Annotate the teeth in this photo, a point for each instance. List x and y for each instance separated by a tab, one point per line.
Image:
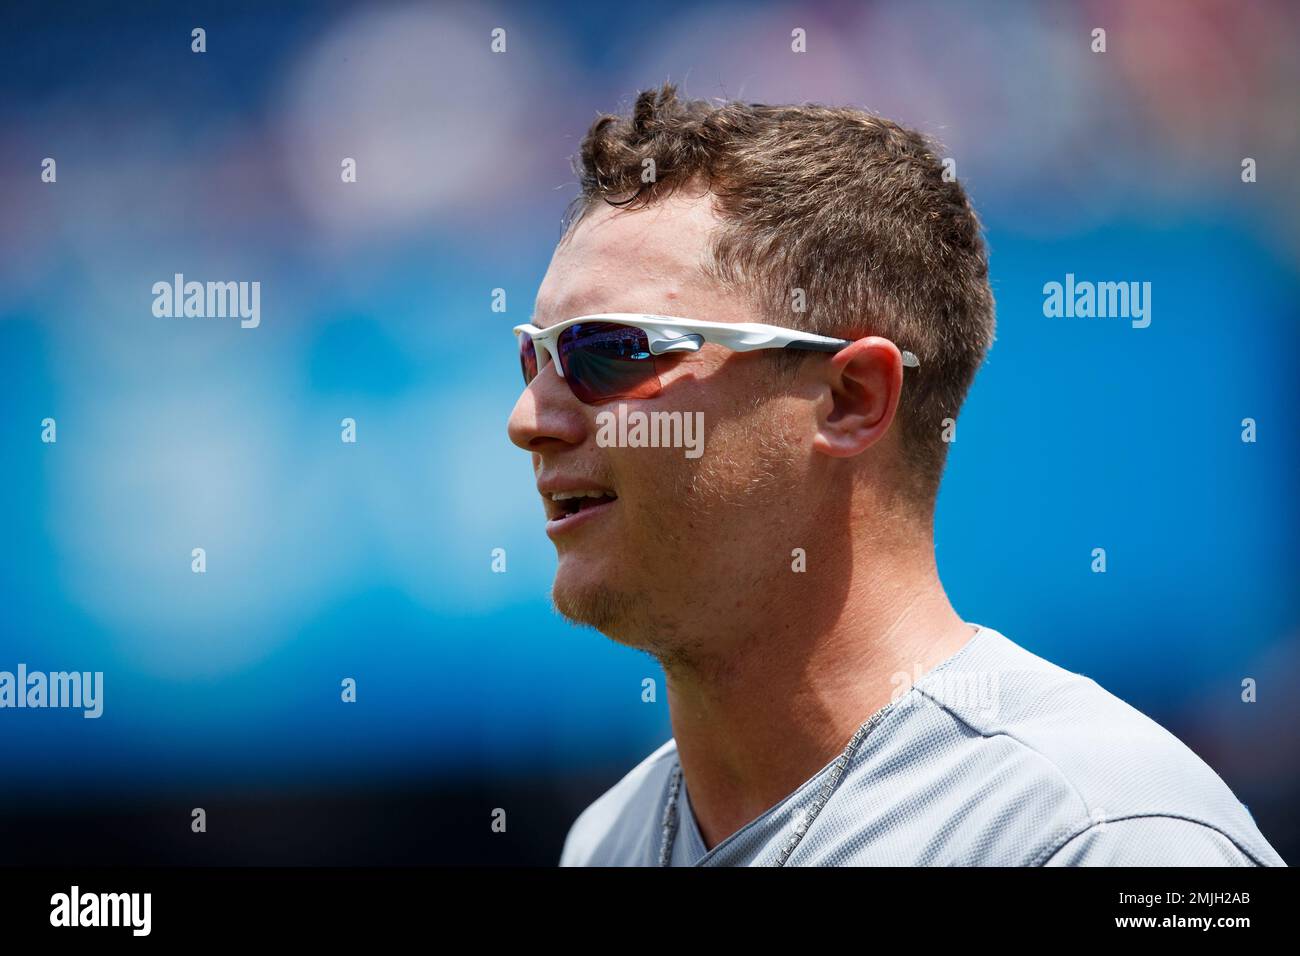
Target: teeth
565	495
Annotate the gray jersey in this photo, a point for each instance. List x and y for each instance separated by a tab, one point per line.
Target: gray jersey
996	757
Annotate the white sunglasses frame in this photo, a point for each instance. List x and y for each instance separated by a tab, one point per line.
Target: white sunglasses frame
668	334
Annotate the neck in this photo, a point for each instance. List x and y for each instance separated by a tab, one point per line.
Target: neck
795	681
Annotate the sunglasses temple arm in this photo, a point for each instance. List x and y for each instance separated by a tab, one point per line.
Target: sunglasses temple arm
808	345
909	360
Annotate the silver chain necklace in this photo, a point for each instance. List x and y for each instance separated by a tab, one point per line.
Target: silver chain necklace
670	817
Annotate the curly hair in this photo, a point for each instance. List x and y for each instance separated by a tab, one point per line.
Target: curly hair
853	209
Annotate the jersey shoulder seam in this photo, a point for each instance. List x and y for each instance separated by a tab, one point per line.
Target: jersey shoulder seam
1049	853
1022	744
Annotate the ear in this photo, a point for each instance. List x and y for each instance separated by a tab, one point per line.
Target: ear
865	380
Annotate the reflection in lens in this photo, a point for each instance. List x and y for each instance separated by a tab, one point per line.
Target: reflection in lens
604	360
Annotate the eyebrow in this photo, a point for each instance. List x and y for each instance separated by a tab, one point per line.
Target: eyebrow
568	312
590	299
599	300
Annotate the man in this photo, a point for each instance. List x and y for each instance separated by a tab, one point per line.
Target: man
808	284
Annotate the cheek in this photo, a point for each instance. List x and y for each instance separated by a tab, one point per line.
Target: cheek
659	524
653	482
745	474
749	455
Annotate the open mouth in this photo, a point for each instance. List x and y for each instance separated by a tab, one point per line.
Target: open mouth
562	507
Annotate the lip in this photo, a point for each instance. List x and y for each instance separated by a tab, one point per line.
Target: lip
559	526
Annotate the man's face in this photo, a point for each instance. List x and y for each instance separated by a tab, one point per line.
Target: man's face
687	539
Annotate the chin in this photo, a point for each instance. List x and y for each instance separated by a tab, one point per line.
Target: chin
590	602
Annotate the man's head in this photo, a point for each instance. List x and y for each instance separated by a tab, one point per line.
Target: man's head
826	220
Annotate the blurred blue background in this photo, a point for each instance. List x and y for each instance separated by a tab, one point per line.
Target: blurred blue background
372	561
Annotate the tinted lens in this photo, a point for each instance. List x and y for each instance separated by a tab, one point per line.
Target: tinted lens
527	357
604	360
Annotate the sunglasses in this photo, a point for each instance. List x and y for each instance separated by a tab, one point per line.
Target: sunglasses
617	354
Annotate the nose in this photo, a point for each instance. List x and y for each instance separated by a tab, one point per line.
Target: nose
547	414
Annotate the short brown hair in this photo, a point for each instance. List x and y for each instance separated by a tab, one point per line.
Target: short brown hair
851	208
